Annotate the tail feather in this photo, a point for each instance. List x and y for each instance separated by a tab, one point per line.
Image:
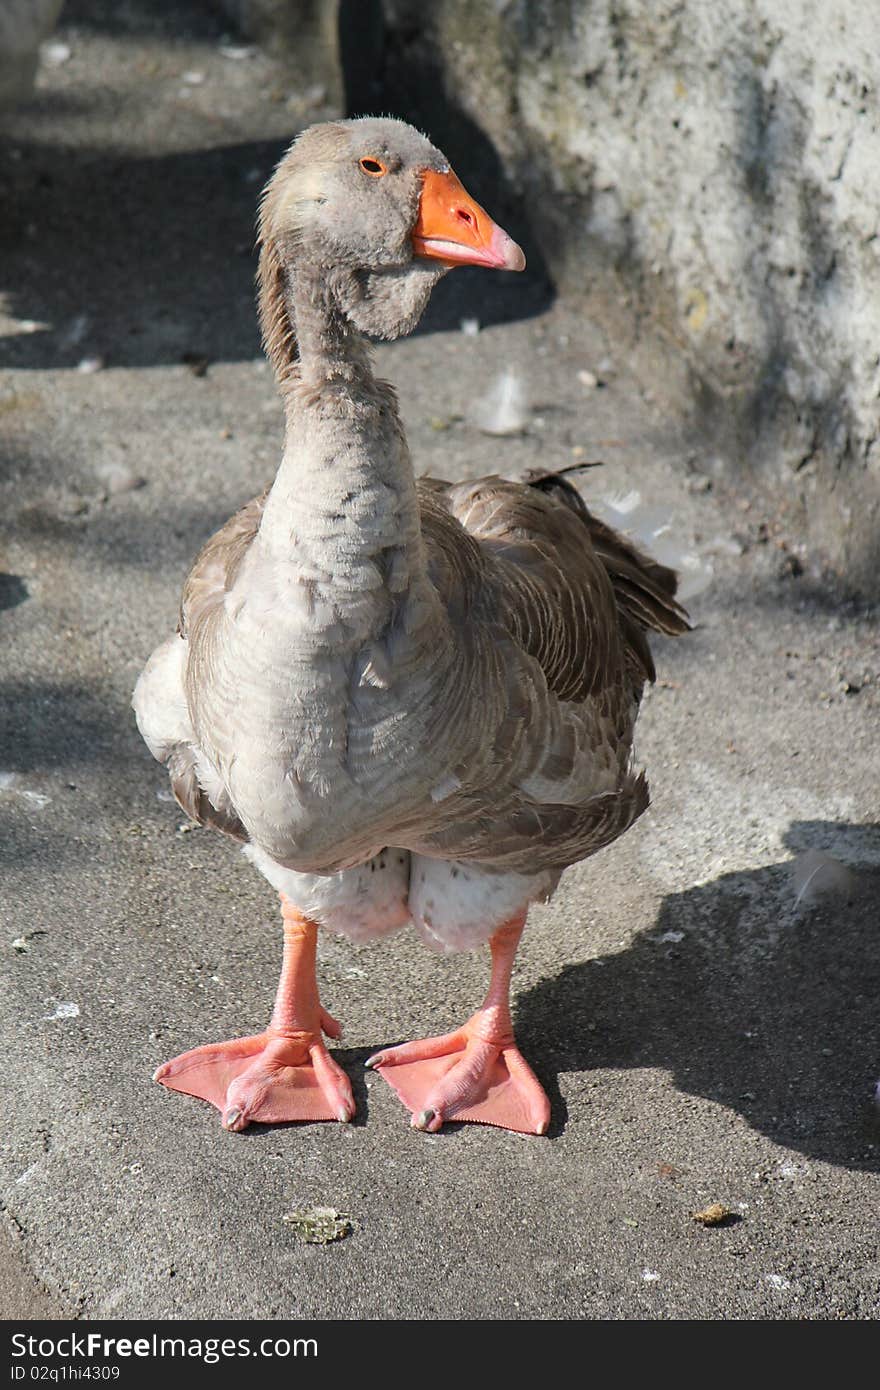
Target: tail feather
645	590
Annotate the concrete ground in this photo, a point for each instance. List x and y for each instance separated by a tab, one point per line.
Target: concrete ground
704	1037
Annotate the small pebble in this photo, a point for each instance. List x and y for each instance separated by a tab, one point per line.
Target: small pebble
66	1009
196	362
315	95
88	365
790	567
117	478
714	1215
319	1225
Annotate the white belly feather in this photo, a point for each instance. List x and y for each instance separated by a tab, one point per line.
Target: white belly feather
454	906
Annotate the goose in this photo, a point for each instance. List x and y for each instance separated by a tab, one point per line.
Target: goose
410	702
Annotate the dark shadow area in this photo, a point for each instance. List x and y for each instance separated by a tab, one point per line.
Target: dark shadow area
139	261
204	20
820	596
13	591
150	261
28	846
116	538
46	725
765	1008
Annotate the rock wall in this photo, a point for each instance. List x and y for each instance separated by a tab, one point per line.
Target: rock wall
724	160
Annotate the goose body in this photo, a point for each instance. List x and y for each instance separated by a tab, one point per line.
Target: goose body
409	702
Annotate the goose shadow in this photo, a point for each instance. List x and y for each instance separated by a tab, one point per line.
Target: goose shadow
746	999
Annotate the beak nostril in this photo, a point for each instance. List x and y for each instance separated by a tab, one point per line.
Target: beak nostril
464	216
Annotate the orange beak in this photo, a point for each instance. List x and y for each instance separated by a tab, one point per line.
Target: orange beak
454	229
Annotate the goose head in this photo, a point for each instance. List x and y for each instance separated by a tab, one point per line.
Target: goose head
373	210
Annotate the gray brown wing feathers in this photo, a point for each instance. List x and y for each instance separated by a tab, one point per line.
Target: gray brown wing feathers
643	588
217	564
209	580
579	599
194	800
568	587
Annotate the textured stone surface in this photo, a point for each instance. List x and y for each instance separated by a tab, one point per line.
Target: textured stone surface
724	161
304	34
23	26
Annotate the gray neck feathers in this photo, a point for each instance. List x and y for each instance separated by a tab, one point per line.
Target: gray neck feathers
306	334
343	510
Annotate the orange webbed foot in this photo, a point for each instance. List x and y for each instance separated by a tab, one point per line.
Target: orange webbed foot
284	1073
476	1073
464	1076
268	1078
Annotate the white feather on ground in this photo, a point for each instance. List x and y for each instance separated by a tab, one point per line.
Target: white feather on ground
817	875
652	528
504	410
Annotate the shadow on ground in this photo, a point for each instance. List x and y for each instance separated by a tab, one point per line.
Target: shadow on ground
50	724
13	591
746	1001
146	261
156	266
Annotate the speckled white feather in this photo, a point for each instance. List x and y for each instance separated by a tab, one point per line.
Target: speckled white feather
458	906
362	904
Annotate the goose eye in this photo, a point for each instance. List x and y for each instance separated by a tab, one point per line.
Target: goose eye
374	167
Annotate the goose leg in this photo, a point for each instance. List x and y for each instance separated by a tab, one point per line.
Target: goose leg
476	1073
285	1073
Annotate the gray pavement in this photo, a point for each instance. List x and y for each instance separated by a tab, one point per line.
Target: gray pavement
703	1037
